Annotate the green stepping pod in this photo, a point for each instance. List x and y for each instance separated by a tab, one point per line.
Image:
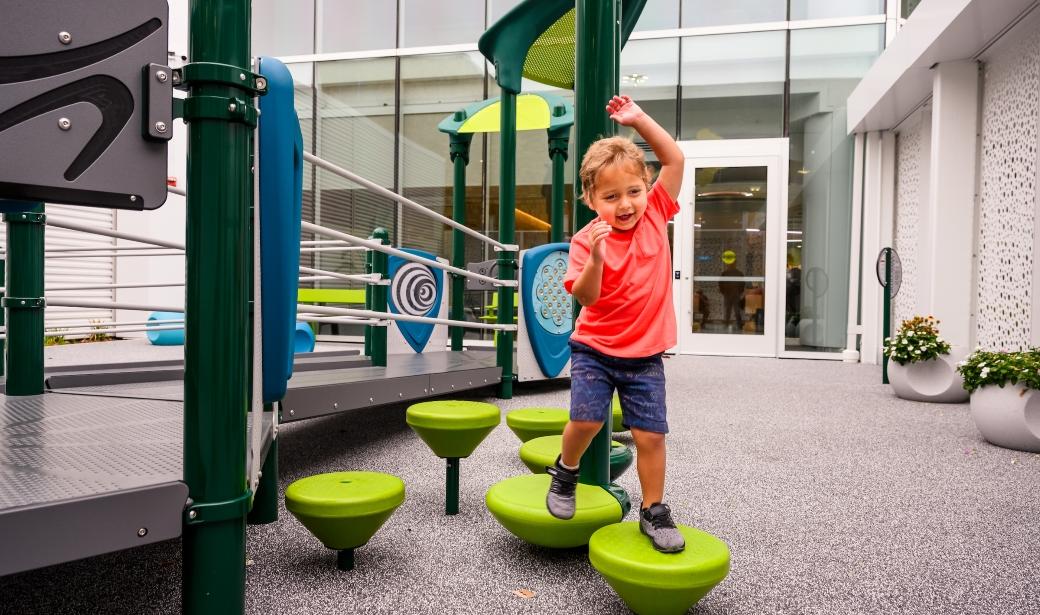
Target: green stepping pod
344	509
653	583
453	429
530	423
541	452
518	503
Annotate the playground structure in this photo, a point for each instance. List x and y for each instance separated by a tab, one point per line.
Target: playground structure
238	360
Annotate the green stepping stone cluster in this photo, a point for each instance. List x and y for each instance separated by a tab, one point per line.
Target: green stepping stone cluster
653	583
453	430
541	452
344	509
531	423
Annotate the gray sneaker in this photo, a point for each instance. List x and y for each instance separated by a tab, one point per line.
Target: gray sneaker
560	499
656	522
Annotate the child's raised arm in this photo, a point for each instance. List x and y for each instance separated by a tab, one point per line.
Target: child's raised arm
627	113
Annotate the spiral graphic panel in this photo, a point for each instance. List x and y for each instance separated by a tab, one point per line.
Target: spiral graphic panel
415	290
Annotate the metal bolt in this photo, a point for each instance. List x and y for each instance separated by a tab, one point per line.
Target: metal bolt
259	474
176	77
142	532
160	127
292	413
401	395
261	83
64	37
64	123
335	405
241	76
192	514
232	107
161	76
133	199
371	400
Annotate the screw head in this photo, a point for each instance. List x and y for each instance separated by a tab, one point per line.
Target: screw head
161	76
64	123
133	198
241	76
232	107
335	405
292	412
192	514
160	127
64	37
261	83
142	532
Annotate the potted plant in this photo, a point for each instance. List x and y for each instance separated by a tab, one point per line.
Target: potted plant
922	366
1004	403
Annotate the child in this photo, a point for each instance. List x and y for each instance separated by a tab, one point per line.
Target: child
621	272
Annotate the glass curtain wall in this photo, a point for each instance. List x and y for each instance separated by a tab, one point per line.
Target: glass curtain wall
377	116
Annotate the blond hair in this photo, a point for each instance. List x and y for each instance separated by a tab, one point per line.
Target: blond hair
610	152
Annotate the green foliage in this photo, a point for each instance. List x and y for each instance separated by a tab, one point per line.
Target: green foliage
999	368
917	340
55	340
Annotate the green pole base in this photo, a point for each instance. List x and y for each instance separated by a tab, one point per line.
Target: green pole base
265	502
345	559
621	496
451	492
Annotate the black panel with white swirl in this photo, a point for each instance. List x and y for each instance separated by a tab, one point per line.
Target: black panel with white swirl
414	289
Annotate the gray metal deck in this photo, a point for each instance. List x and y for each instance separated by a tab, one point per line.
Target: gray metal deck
81	476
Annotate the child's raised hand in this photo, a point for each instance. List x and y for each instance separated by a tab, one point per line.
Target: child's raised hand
623	111
597	240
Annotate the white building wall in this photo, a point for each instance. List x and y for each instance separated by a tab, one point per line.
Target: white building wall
1008	195
911	151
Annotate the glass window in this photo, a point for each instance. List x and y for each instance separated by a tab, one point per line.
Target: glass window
701	13
826	65
425	23
650	75
356	25
733	86
659	15
355	114
303	90
825	9
283	28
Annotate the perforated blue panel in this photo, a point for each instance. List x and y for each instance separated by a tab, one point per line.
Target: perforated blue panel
548	310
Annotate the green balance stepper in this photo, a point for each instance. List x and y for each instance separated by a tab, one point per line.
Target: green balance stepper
530	423
453	429
518	503
344	509
541	452
653	583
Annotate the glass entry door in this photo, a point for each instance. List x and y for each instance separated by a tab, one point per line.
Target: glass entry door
726	241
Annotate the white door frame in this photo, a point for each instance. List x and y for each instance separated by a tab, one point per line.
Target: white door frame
770	153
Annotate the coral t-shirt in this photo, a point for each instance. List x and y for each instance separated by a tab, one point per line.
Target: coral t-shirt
633	316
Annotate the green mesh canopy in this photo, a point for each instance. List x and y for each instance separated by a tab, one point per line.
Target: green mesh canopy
550	60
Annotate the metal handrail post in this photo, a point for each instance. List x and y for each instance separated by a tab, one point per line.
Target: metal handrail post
24	301
459	148
380	265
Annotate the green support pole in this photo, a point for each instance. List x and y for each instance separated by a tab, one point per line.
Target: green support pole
460	143
369	302
218	330
598	49
265	501
24	302
3	276
451	487
558	141
886	325
507	235
381	265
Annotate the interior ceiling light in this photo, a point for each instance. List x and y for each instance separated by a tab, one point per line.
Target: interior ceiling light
634	78
802	171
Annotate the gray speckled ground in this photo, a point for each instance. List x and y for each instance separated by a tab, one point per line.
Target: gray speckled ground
834	497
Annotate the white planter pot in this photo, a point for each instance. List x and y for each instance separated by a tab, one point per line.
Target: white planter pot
935	380
1008	416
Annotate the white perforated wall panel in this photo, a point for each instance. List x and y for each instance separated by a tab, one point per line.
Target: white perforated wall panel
1008	192
909	149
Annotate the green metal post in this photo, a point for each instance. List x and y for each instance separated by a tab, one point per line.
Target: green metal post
3	276
558	141
265	501
24	301
886	325
369	302
218	330
507	235
451	487
598	49
381	265
460	143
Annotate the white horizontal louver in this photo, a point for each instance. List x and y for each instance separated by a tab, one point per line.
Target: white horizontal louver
79	270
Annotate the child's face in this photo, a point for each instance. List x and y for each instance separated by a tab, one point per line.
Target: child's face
619	196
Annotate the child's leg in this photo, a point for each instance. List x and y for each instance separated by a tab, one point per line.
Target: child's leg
650	464
576	438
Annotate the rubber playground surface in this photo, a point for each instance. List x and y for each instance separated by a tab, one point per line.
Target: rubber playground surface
833	496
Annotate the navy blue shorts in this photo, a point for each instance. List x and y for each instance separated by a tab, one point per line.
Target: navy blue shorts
639	383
